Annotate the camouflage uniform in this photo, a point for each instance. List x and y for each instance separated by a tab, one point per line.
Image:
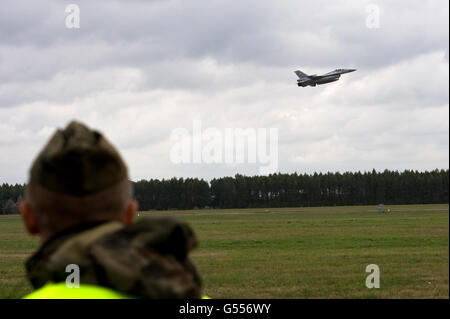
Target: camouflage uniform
146	259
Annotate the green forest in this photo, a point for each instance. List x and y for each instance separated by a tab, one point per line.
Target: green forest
278	190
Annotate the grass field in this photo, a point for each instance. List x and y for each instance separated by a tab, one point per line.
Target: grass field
293	252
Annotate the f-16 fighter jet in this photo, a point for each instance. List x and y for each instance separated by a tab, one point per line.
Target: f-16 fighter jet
313	80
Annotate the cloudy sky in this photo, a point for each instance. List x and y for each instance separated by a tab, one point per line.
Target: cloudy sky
138	70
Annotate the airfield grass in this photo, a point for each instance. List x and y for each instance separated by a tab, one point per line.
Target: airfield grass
293	252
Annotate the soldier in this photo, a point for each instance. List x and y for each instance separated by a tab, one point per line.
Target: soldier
79	202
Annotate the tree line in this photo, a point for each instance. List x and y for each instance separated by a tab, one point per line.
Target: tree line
279	190
331	189
294	190
10	196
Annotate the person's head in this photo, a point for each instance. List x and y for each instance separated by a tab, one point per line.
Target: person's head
78	177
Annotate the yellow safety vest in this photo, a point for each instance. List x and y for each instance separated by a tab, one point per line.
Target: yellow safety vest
61	291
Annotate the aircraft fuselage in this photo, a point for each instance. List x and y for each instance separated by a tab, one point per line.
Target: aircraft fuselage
323	80
313	80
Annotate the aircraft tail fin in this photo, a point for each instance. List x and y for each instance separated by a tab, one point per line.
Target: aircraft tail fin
301	75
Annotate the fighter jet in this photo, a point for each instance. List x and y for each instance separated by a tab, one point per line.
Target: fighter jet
313	80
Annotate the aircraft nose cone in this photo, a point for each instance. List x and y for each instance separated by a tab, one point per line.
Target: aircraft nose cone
351	70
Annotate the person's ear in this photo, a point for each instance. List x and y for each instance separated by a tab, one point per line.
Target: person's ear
130	212
29	217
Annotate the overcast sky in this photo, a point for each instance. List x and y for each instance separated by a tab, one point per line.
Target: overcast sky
137	70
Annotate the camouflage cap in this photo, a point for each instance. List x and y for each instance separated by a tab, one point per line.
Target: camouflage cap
78	161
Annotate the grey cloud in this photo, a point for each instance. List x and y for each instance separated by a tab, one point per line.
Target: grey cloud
138	69
281	34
